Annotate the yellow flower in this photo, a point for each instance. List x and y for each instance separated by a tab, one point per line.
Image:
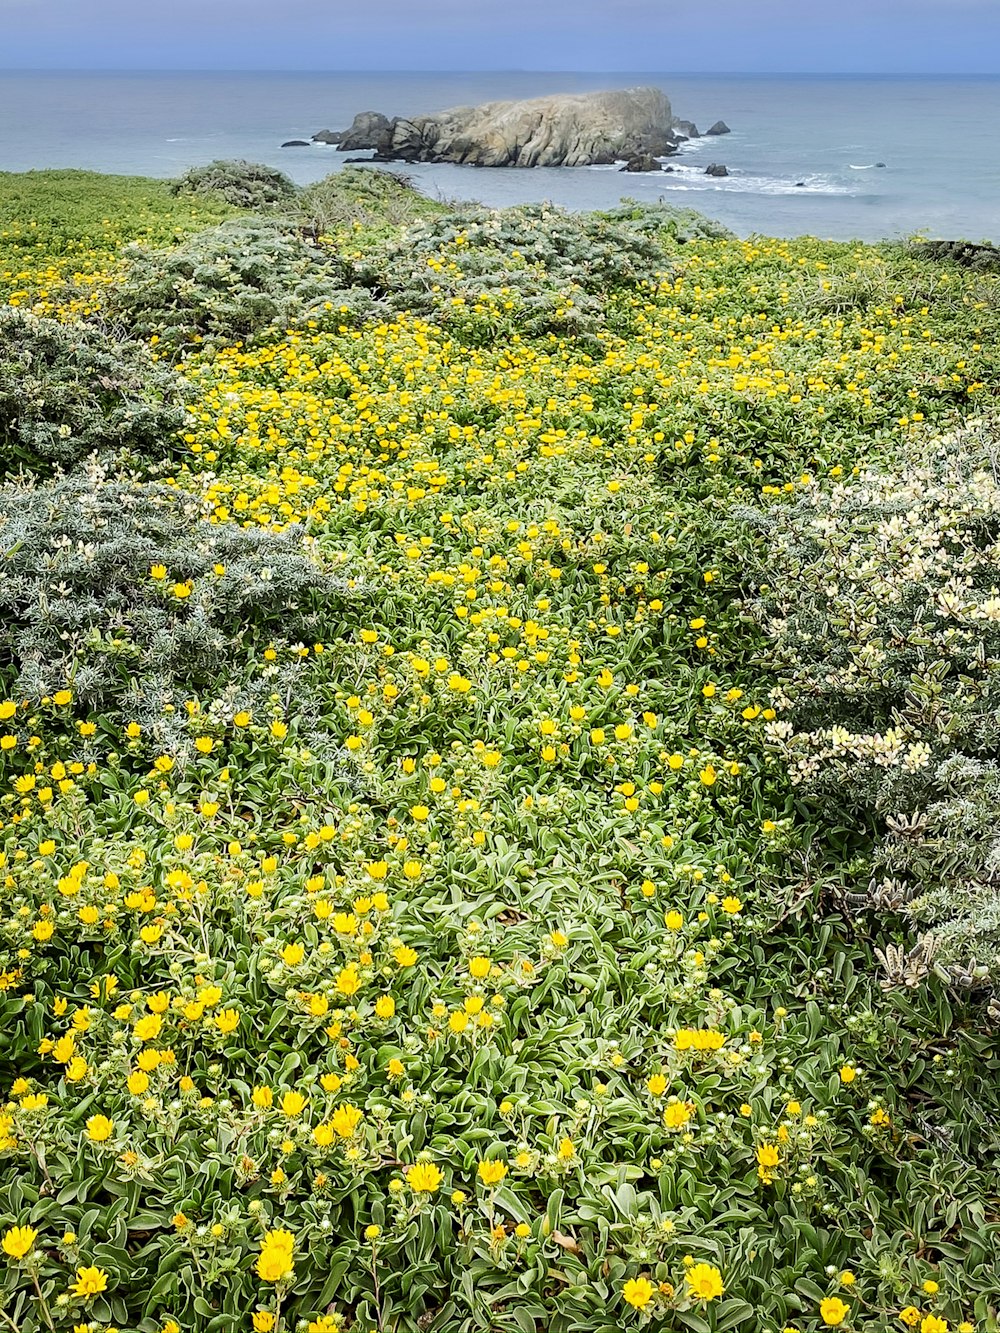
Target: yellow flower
227	1020
89	1282
931	1323
638	1292
424	1178
677	1114
385	1006
833	1311
491	1172
99	1128
19	1241
768	1155
910	1316
276	1258
480	968
405	956
848	1074
657	1084
346	1119
704	1282
293	1104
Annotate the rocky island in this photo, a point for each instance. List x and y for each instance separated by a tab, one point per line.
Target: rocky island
635	125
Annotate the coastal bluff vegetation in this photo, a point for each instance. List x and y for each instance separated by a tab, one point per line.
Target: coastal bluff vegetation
499	765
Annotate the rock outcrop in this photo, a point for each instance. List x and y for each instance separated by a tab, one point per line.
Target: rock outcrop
367	131
720	127
328	136
716	169
644	162
567	130
296	143
687	129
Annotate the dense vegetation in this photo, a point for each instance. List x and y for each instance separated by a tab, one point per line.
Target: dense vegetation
498	769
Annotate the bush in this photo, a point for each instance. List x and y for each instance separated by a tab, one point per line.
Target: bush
881	598
667	221
365	197
242	184
533	270
123	589
69	389
244	279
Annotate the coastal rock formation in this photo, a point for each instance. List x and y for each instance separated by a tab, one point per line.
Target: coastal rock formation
328	136
687	129
296	143
716	169
643	162
720	127
367	130
567	130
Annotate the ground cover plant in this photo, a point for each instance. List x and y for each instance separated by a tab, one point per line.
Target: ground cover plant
457	947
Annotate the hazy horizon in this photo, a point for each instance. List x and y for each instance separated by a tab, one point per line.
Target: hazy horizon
773	37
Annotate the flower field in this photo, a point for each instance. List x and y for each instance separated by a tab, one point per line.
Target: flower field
413	915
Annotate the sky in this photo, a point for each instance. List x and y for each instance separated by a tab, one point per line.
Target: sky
715	36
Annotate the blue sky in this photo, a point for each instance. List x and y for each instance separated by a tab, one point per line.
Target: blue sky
894	36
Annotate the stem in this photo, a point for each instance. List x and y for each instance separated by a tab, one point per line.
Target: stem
378	1298
277	1311
41	1301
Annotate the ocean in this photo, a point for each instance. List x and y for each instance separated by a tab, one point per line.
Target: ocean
802	154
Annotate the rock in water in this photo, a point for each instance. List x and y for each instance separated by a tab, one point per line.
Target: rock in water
368	129
328	136
716	169
565	130
296	143
687	128
720	127
644	162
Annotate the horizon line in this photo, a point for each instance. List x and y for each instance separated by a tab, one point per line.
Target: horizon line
604	73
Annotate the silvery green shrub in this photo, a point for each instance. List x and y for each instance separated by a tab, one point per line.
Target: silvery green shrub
242	184
245	279
880	598
119	586
67	390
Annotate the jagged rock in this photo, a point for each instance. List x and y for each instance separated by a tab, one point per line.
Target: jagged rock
644	162
328	136
716	169
296	143
687	128
566	130
366	130
720	127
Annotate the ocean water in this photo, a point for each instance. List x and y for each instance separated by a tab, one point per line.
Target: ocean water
937	137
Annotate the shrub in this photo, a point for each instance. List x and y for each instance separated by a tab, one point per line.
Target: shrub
122	589
663	221
983	258
535	269
69	389
241	280
242	184
363	196
881	599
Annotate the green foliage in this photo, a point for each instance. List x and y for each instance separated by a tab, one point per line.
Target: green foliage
533	270
247	185
79	603
363	199
881	599
245	279
67	390
983	258
667	222
485	851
